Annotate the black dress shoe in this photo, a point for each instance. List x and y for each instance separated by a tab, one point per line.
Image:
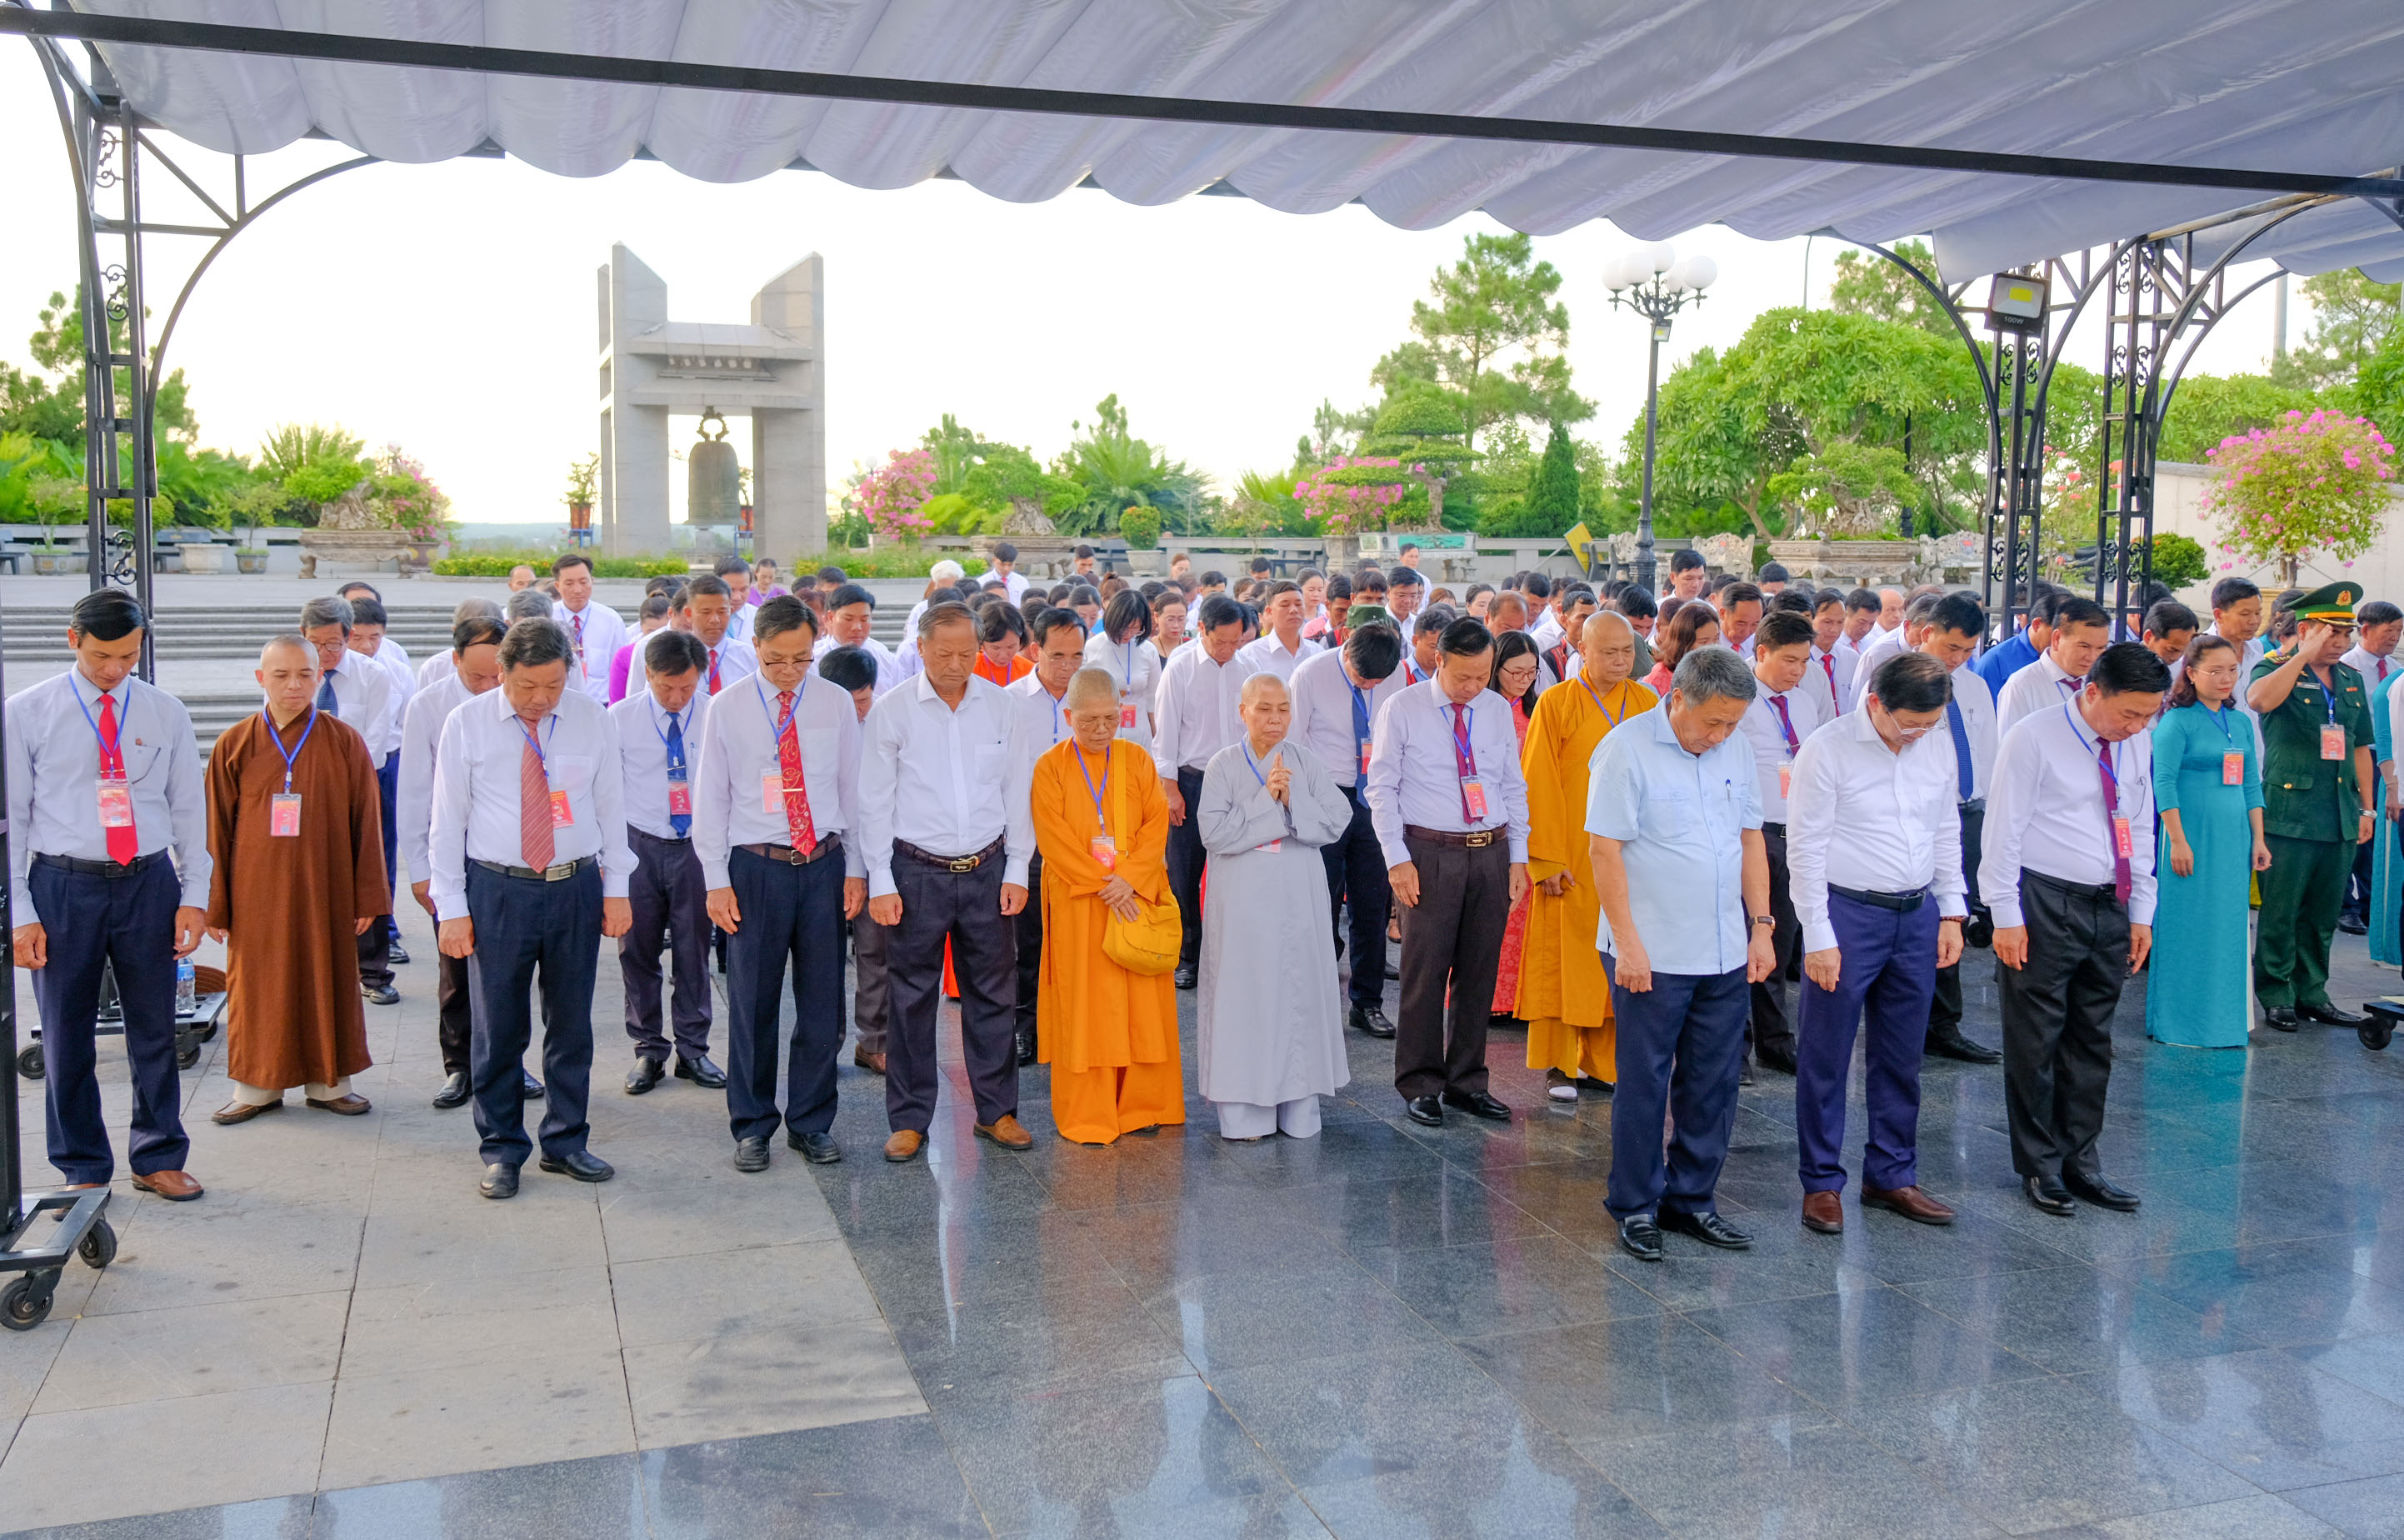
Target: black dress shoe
380	994
529	1089
1478	1104
817	1149
1639	1238
2280	1018
701	1071
1425	1109
2048	1193
1187	975
1393	974
2354	925
1025	1048
1709	1228
2099	1190
1370	1019
583	1165
2329	1016
1780	1060
454	1092
1744	1071
1948	1043
645	1073
397	955
751	1155
500	1181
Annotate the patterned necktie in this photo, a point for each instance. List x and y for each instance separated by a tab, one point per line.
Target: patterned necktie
1828	667
713	670
797	791
681	822
1465	761
1785	725
124	843
326	701
534	809
578	621
1965	774
2120	879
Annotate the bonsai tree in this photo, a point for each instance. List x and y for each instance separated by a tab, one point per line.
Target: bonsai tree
581	477
1422	430
2308	484
1140	526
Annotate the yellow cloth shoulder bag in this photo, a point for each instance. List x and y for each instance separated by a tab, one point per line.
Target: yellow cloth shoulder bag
1148	944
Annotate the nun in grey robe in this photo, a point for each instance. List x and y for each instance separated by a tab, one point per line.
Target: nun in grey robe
1271	1032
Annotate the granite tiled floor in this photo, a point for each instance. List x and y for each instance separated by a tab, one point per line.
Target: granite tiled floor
1388	1331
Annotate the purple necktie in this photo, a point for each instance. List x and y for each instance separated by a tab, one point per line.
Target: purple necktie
2120	880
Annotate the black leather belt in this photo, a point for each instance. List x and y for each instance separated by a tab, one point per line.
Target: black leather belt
1972	805
1902	903
791	857
955	864
2081	890
561	873
99	868
1474	839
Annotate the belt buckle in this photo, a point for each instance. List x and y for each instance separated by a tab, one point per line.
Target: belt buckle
958	864
794	856
560	872
1479	839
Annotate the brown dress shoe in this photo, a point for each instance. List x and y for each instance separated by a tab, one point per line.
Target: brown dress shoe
1910	1202
904	1145
872	1063
347	1105
1006	1132
243	1111
174	1186
1824	1213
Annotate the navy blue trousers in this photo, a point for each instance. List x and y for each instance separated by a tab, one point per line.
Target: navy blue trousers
1356	883
1889	969
1681	1047
964	908
375	942
669	900
128	922
532	934
792	916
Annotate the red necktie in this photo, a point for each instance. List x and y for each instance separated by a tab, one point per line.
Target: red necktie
2382	668
124	842
1828	667
578	621
534	810
1786	725
713	670
797	791
2120	880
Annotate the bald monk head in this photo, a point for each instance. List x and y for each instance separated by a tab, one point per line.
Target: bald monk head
1606	649
1092	702
1267	710
287	673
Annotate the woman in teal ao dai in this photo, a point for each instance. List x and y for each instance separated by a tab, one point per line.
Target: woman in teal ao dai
2208	799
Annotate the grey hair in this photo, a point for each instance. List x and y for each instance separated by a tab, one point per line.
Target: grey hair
1713	672
531	644
528	604
941	615
329	611
478	609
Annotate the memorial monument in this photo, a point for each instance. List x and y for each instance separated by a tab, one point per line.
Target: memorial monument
772	371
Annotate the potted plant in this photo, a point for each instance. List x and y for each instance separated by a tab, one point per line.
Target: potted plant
413	505
583	475
53	497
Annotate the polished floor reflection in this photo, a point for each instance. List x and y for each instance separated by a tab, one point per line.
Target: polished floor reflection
1393	1331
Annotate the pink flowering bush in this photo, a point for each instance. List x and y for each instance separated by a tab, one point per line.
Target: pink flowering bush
2306	484
894	497
1349	495
407	499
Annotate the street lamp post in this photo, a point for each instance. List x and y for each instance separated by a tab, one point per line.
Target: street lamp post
1656	283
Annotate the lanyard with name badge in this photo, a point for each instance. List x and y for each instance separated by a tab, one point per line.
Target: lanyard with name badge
773	790
1272	846
1103	847
1360	703
680	777
2123	845
1127	707
284	808
2232	764
1472	790
562	814
115	795
2333	735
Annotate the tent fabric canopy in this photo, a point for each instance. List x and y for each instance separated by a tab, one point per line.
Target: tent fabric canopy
2287	85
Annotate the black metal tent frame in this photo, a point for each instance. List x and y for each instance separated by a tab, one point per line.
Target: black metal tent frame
2162	302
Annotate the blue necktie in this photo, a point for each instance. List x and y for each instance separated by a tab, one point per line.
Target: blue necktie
681	822
1964	776
326	697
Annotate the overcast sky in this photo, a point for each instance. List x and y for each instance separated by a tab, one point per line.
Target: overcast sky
450	308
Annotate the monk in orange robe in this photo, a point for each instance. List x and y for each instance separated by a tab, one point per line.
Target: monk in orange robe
1563	996
1109	1035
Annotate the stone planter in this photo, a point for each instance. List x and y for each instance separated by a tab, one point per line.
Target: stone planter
56	562
1147	563
368	549
1924	558
250	561
203	556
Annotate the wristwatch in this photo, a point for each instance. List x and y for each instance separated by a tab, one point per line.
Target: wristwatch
1765	919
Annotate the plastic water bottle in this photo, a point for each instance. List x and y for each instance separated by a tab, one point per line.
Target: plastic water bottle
187	988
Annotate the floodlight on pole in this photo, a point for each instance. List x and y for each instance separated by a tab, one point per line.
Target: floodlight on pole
1656	283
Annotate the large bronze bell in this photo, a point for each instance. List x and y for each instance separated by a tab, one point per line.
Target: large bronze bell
714	482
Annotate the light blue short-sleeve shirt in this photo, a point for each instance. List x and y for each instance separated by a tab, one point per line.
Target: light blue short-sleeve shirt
1680	818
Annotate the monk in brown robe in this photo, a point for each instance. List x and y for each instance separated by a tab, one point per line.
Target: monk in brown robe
295	829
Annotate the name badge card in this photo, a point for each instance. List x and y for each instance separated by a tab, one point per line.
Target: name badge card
2121	845
772	793
2232	769
680	797
1105	850
115	804
1272	847
2332	742
1364	756
1785	782
561	812
284	815
1473	796
1126	717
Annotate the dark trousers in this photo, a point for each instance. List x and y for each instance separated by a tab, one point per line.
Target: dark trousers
1945	1003
2302	894
871	995
2357	887
1888	968
530	935
375	942
1356	881
127	923
2058	1023
792	916
1026	929
669	900
1452	945
1681	1047
1185	860
1768	1027
964	908
453	1014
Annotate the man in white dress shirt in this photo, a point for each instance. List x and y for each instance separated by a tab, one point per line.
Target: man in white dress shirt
735	573
1279	647
596	630
1005	567
854	672
1782	716
1336	697
948	834
850	612
1952	635
2068	870
2081	630
1194	717
776	830
475	658
359	691
1450	810
1406	594
1741	607
530	871
108	866
1041	699
660	735
1830	672
1862	606
367	640
707	610
2236	616
1877	870
439	663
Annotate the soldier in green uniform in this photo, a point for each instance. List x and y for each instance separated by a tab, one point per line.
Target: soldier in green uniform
2317	804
